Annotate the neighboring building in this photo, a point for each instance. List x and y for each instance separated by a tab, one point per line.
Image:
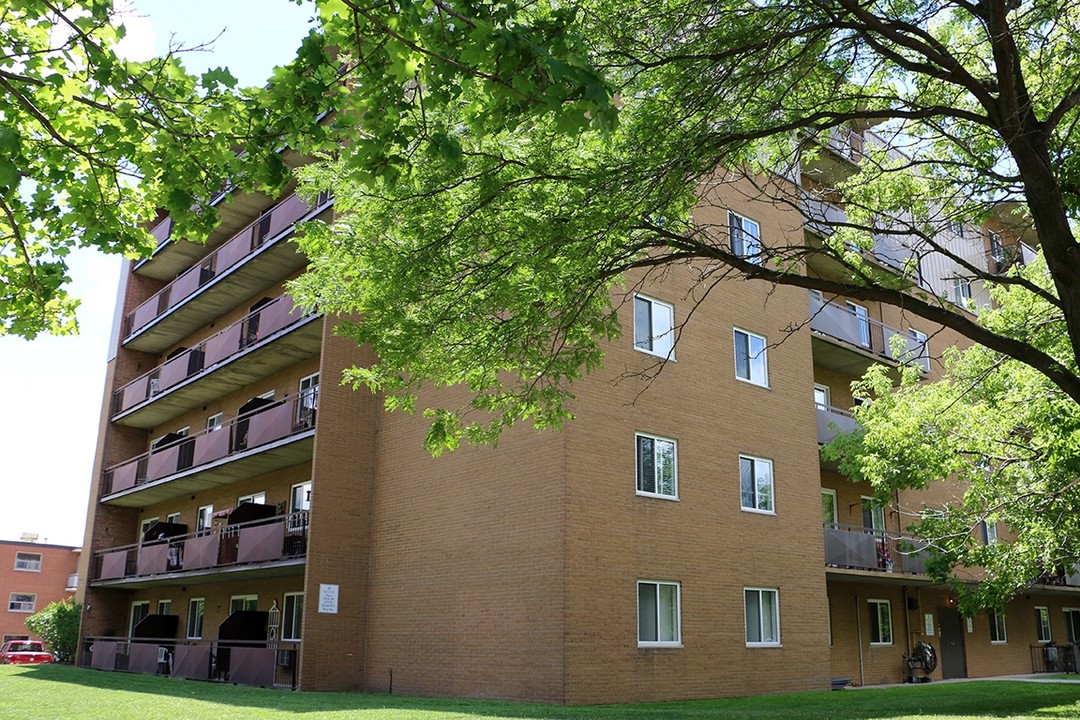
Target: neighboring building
32	575
252	520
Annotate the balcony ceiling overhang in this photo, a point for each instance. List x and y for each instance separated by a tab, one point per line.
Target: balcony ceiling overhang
285	453
876	577
207	576
843	357
297	342
264	269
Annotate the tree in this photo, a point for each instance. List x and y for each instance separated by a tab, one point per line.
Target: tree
509	163
93	146
58	625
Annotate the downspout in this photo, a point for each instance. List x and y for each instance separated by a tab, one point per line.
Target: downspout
858	628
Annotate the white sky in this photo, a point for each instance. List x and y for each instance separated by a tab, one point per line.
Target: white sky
55	385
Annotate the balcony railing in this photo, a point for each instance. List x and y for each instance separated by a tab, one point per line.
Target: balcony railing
235	251
292	415
1065	577
831	421
864	549
239	662
242	335
283	537
843	323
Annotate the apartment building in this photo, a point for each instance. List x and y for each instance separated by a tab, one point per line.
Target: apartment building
252	521
32	575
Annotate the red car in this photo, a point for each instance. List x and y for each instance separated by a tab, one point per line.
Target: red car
23	652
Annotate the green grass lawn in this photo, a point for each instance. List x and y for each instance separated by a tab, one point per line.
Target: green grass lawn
57	692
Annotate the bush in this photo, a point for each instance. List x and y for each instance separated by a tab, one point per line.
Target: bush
58	625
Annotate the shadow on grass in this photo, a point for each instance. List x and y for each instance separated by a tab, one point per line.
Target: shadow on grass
984	699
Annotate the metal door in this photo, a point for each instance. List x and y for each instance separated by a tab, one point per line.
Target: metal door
953	659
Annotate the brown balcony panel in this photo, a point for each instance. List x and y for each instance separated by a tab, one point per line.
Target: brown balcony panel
275	316
270	425
174	370
285	214
192	662
252	666
142	658
211	446
104	655
185	285
831	423
162	230
201	551
223	344
152	559
113	565
844	548
232	252
162	463
261	543
124	476
144	314
135	393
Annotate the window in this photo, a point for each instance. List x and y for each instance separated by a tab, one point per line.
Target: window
22	602
307	401
144	527
656	466
195	618
28	562
243	602
750	360
293	616
873	515
214	422
139	610
756	484
658	614
258	498
1042	624
654	327
204	518
829	517
1072	624
822	397
164	607
862	322
880	622
956	227
173	518
299	502
997	249
745	237
762	608
960	291
997	626
989	532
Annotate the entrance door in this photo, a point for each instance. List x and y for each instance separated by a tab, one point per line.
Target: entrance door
953	660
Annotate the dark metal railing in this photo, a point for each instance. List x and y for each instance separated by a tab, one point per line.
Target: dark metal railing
866	549
248	332
292	415
282	537
1053	658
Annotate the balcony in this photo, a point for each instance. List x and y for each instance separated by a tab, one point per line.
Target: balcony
256	258
894	251
268	435
260	548
270	339
849	342
831	421
1061	577
857	548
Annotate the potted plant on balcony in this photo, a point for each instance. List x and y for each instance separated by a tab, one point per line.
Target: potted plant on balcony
884	557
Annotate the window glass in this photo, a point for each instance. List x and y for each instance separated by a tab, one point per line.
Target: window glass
195	618
828	509
750	358
756	483
654	327
22	602
658	613
30	562
292	616
1042	624
745	237
656	466
997	626
880	622
762	616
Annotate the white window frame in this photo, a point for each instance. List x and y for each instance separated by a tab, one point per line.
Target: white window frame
195	622
17	602
862	316
753	595
1042	624
999	634
299	522
748	245
245	599
145	525
757	479
259	498
822	396
656	439
756	374
215	422
990	533
661	338
876	607
164	607
204	519
28	561
676	640
135	606
173	518
877	515
296	611
307	398
960	291
831	494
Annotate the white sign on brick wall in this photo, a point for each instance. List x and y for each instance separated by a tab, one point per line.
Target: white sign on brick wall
328	598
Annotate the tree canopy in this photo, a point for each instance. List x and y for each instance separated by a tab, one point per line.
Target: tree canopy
509	163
